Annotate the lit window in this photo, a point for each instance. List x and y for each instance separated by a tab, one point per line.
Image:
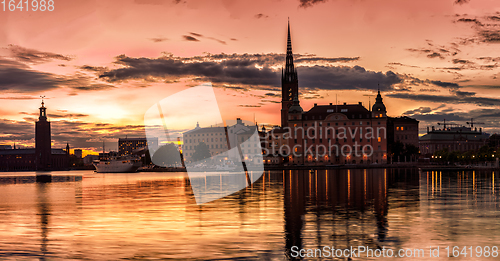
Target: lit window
379	139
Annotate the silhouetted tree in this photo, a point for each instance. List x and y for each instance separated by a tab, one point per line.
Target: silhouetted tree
166	155
201	152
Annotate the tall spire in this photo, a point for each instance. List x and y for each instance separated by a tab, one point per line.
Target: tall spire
289	82
290	73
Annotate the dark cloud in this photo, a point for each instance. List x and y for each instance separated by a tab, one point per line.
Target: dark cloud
217	40
417	111
34	56
470	20
446	84
487	31
490	35
461	1
494	18
312	58
17	77
433	51
158	39
58	115
309	3
244	69
190	38
455	99
196	34
249	106
434	55
464	94
258	16
428	90
343	77
461	61
488	116
241	71
404	65
93	68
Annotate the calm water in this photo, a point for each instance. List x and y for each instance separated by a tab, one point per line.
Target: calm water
154	215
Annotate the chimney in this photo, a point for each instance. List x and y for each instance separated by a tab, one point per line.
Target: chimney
345	103
360	103
315	104
238	121
330	103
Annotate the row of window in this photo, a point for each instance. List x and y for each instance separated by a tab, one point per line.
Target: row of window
337	124
203	134
354	116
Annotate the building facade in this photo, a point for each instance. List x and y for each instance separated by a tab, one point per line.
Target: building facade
325	134
454	139
128	146
221	139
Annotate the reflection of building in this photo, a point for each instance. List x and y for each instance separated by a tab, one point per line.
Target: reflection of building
42	157
454	139
130	145
337	208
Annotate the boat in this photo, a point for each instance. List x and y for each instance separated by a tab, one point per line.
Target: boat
120	164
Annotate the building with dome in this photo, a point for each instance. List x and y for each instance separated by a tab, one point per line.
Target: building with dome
325	134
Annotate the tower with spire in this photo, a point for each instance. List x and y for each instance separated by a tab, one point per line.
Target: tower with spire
289	82
378	109
42	140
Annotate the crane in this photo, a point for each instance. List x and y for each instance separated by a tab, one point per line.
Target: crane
449	124
472	122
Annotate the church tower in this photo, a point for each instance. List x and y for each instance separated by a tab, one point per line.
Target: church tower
289	82
378	109
42	140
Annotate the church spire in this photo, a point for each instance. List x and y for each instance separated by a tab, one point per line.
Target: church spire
290	73
289	82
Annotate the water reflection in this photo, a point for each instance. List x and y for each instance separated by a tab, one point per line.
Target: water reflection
155	215
43	206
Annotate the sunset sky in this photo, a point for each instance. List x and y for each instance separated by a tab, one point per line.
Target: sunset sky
102	64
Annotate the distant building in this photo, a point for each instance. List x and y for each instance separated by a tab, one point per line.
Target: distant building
78	153
5	147
402	129
216	139
87	160
42	141
42	157
131	145
454	139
